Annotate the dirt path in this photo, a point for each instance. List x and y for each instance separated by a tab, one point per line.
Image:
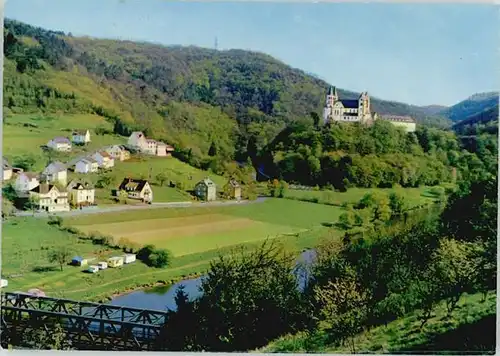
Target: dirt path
98	210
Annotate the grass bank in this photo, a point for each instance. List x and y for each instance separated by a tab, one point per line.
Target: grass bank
456	334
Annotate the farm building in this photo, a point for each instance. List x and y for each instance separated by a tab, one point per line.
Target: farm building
49	198
55	172
62	144
93	269
233	189
86	165
7	170
115	262
3	283
205	190
79	261
104	160
102	265
81	193
80	137
129	258
136	189
26	181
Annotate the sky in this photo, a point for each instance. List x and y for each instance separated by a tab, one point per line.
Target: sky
422	54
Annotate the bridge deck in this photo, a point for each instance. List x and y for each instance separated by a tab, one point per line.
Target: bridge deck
89	325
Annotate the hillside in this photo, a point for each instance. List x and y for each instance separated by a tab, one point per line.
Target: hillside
487	116
187	96
471	106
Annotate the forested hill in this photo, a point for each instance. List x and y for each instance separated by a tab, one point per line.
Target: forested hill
144	83
472	106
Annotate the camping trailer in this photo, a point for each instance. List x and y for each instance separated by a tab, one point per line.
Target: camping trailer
115	262
3	283
79	261
102	265
93	269
129	258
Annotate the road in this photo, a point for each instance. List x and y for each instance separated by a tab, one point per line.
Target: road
99	210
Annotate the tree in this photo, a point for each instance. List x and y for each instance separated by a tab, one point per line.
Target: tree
103	181
161	178
397	204
41	339
343	308
61	256
315	118
160	258
32	203
212	151
283	186
347	219
25	162
456	269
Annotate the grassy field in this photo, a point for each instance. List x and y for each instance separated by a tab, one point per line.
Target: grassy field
24	254
192	230
440	333
413	196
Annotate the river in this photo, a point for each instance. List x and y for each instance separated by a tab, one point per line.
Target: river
163	297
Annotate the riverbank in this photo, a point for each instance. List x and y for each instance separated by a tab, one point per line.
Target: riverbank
152	285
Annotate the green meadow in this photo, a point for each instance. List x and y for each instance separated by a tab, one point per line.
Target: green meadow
298	225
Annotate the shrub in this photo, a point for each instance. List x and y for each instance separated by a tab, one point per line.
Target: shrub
55	220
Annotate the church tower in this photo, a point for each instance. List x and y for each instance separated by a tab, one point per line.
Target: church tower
331	98
364	110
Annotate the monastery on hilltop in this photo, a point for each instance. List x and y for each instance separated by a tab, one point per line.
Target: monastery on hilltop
358	110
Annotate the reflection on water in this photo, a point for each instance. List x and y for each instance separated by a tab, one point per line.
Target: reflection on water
158	298
163	297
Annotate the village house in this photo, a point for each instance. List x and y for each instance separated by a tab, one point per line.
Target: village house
80	137
62	144
86	165
233	189
170	150
137	141
118	152
162	149
26	181
81	193
205	190
104	160
7	170
55	172
49	198
138	189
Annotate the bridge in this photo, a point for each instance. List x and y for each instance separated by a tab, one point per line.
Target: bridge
89	326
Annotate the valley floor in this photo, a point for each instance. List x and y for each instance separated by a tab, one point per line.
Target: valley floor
195	236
